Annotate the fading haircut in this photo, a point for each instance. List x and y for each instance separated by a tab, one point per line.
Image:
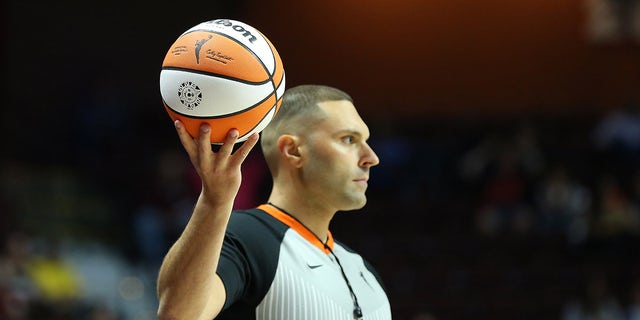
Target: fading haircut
299	112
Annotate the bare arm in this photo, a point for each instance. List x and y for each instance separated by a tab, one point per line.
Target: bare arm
188	287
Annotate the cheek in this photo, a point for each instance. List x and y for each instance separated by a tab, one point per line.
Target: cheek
325	167
329	163
319	168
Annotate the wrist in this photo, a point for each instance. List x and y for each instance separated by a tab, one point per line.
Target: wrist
215	203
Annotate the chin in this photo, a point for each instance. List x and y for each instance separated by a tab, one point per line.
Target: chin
355	204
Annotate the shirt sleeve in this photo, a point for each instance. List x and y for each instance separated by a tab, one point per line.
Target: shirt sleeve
249	256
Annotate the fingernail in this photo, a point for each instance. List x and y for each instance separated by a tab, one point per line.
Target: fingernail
233	133
205	127
178	124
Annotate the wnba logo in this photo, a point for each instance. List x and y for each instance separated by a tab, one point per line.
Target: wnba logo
189	95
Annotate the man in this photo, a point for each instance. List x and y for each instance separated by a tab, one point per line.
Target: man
278	261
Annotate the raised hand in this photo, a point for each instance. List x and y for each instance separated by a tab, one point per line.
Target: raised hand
219	171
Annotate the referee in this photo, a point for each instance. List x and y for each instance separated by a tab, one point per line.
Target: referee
279	260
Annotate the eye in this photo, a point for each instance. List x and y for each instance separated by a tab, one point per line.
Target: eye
348	139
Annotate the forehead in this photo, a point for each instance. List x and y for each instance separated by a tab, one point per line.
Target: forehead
342	115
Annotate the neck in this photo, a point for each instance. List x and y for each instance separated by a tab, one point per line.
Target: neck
315	218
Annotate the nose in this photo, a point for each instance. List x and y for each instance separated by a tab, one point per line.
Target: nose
369	158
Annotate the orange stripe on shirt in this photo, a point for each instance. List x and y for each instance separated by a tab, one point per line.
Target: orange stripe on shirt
298	227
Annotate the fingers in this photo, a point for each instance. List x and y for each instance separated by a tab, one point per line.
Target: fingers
242	152
227	148
199	149
185	138
204	142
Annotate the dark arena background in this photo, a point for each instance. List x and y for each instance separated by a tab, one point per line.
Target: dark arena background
508	132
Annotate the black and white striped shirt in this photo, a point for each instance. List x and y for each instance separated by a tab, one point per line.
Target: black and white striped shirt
274	268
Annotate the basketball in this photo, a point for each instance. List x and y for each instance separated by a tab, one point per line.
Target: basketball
223	72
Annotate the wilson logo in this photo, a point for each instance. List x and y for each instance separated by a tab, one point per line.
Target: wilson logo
238	28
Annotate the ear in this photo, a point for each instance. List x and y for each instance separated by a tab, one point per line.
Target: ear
289	147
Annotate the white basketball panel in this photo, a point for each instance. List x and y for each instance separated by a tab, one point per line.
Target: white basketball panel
280	88
200	95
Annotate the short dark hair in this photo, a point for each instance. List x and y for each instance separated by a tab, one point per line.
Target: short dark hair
299	110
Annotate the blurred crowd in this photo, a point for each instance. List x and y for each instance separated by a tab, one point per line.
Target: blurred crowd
534	219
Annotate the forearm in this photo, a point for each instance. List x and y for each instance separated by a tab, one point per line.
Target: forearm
188	287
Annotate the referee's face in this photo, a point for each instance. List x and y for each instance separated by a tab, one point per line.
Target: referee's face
338	158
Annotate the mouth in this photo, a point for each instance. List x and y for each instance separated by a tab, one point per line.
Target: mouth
362	181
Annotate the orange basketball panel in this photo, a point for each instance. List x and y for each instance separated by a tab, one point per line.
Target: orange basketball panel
215	53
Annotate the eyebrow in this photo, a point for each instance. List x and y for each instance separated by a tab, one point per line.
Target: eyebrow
351	132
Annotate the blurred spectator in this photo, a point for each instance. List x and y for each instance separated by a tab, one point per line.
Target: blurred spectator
17	289
522	146
616	214
54	278
617	139
563	205
502	167
613	20
503	206
37	282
